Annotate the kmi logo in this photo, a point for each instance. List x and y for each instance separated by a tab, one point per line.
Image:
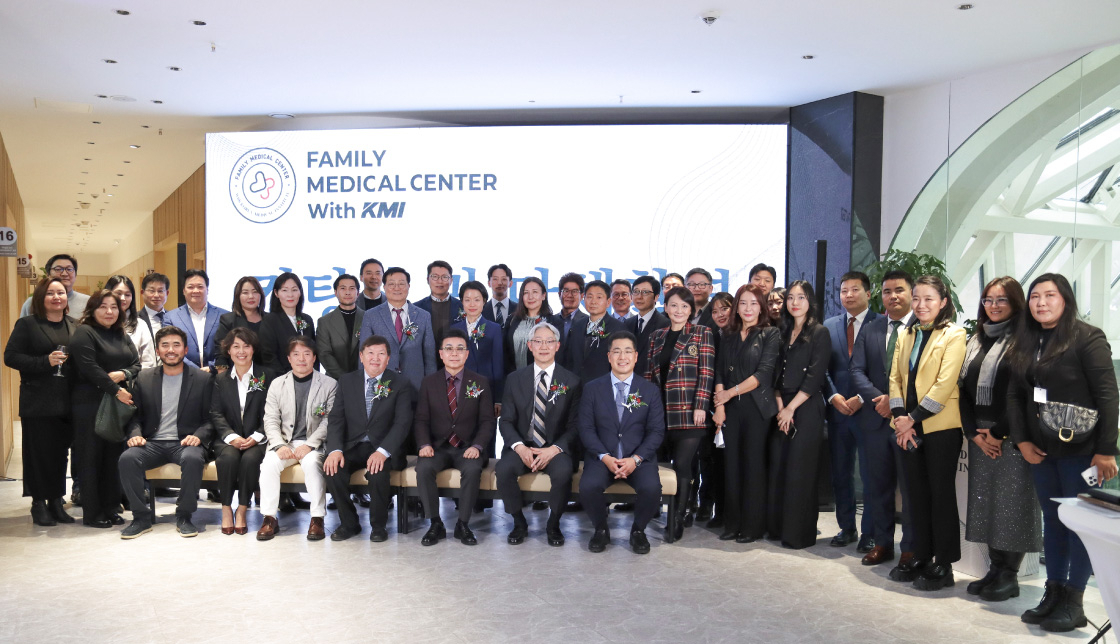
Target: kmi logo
262	185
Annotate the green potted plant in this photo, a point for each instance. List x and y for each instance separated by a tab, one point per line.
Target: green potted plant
917	264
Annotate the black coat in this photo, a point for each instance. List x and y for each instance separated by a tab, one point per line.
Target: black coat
390	417
41	393
757	356
194	404
225	404
228	322
276	331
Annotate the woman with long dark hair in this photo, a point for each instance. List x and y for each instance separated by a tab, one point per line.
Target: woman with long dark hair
1062	406
246	311
795	450
709	466
140	334
532	308
1002	510
284	321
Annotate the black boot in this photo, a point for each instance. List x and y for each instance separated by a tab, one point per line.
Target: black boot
40	515
58	510
996	557
678	529
1006	584
1050	599
1068	614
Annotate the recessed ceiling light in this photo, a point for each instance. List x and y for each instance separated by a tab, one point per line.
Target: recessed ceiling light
965	7
122	98
89	142
115	185
128	162
145	126
97	122
101	95
696	91
281	115
134	146
808	57
123	12
157	102
120	175
175	69
81	183
532	101
108	195
109	61
198	23
85	171
87	159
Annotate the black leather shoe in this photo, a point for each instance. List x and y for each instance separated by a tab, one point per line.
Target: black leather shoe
299	502
331	505
57	508
843	538
361	499
286	504
517	535
975	587
555	537
116	519
540	505
377	535
730	535
907	572
464	535
574	506
705	513
744	538
97	523
866	543
1050	599
624	507
184	527
935	577
689	518
343	533
434	534
715	522
639	543
136	528
599	540
41	515
1068	614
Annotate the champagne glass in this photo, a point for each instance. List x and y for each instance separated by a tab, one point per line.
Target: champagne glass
61	349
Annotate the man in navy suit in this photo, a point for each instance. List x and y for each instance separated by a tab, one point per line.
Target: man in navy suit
648	319
870	370
441	305
843	426
586	351
412	348
570	317
501	307
621	298
198	318
621	424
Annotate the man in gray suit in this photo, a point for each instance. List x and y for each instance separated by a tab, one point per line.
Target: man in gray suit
337	331
408	327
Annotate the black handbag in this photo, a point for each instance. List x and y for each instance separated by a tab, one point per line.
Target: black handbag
1068	423
113	417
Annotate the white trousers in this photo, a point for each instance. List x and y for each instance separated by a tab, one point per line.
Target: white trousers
271	469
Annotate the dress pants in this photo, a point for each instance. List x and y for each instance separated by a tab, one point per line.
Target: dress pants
931	478
1067	560
271	469
470	475
596	478
844	444
559	471
884	474
745	438
97	462
792	508
355	459
137	460
238	471
710	470
46	442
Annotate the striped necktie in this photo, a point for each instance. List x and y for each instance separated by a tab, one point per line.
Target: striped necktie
536	426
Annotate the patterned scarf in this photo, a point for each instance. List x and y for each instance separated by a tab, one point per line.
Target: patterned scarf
988	368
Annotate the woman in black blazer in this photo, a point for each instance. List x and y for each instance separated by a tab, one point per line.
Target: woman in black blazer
284	321
246	312
104	358
485	347
532	309
44	399
796	448
1060	360
237	413
744	403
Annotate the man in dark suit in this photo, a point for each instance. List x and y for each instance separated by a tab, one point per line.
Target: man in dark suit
586	350
337	332
870	371
621	423
621	298
764	277
501	307
570	317
699	283
154	290
371	417
408	327
454	423
670	281
538	426
441	305
198	318
648	319
171	425
843	425
372	273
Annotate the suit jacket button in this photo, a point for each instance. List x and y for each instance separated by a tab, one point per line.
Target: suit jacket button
620	435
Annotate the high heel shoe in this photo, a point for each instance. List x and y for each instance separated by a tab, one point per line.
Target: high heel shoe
227	530
241	530
40	514
58	510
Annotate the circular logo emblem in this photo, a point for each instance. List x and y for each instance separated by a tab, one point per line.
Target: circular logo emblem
262	185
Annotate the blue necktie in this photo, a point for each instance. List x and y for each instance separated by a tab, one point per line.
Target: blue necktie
620	403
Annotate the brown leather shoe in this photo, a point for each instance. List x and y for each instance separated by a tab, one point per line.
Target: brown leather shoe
878	555
315	531
269	528
905	558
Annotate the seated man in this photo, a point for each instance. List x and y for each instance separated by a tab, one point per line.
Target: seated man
621	423
454	420
171	425
538	424
371	417
295	423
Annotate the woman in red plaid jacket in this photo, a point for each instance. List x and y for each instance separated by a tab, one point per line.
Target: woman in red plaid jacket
682	364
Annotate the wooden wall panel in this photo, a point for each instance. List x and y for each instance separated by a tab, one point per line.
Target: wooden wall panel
181	218
15	291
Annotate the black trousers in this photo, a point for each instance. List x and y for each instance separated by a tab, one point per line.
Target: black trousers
97	463
794	462
710	468
684	445
137	460
931	473
238	471
559	471
596	478
46	442
355	459
745	439
470	475
884	474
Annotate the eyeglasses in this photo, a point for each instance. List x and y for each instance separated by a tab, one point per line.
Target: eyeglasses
158	291
692	285
622	352
570	291
63	270
542	343
644	293
999	301
439	278
620	295
453	349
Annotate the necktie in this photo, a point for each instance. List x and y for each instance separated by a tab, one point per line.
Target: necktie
399	326
536	427
159	319
851	334
370	384
620	403
889	358
641	323
501	318
453	405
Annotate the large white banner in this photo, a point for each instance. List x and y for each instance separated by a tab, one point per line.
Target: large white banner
605	201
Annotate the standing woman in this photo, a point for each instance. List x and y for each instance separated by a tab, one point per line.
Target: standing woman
237	412
925	405
44	398
795	451
775	301
682	364
532	308
484	347
246	312
104	358
710	467
1002	510
745	405
1061	364
140	334
284	321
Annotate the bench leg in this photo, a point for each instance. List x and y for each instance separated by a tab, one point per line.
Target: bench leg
402	511
671	522
151	500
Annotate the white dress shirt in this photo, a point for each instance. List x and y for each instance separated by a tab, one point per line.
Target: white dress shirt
537	371
199	321
625	392
156	326
242	394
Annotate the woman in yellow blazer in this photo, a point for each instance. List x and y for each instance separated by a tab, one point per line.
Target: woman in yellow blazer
925	404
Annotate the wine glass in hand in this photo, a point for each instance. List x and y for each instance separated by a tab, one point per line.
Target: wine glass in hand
61	349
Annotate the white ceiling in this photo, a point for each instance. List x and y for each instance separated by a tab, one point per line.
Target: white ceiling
359	63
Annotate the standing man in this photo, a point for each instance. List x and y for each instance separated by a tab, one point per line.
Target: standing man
338	331
154	290
412	349
764	277
501	306
371	416
454	423
586	351
371	273
171	425
198	318
648	318
671	281
700	285
620	300
843	425
441	305
570	317
538	426
621	423
870	371
65	268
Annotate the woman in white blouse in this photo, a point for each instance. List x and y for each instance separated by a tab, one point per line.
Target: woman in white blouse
140	334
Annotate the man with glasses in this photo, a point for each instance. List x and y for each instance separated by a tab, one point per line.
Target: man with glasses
539	429
154	290
65	268
412	349
501	306
699	283
620	300
569	317
586	351
670	281
648	318
441	305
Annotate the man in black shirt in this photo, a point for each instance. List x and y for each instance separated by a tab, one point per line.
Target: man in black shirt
371	273
337	338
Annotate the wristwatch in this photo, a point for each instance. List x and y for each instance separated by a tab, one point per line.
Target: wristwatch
637	461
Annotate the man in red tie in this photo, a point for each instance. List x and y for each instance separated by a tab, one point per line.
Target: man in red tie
408	328
454	421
